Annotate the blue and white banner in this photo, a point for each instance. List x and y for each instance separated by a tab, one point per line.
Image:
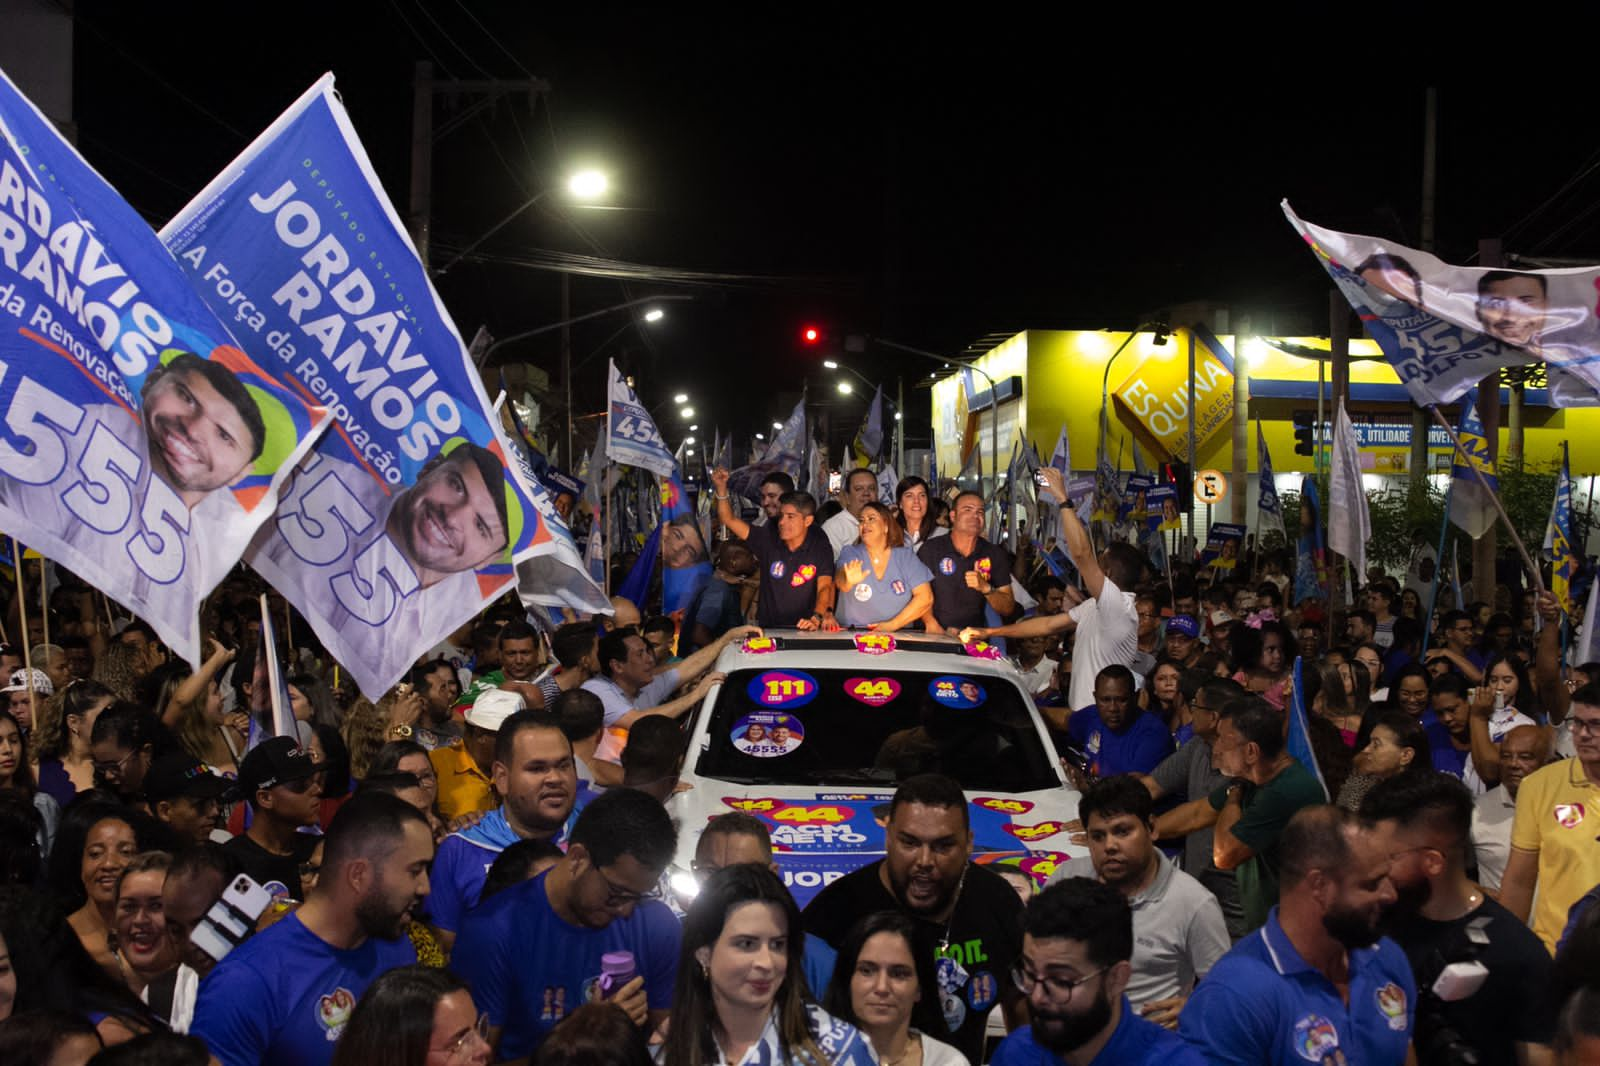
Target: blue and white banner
141	447
1558	540
1471	508
1268	506
631	435
1445	328
1349	521
685	560
407	519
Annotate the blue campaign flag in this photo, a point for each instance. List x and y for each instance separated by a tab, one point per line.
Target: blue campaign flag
1471	508
1311	557
1298	742
142	447
686	563
632	438
1558	540
636	586
408	518
1268	505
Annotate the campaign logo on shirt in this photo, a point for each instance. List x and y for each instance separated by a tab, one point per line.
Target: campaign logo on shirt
555	1004
278	890
947	566
777	568
1392	1001
802	575
899	587
1568	815
1315	1037
862	592
982	990
1094	743
333	1012
983	566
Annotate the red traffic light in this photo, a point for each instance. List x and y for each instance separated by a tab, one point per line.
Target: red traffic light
811	334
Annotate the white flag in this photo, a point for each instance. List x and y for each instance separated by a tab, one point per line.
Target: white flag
1349	524
631	434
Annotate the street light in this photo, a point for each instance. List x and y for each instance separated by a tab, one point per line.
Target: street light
777	425
584	185
655	314
830	364
846	388
687	412
694	428
587	184
681	399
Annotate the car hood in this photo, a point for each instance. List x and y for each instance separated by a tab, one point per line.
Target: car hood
820	834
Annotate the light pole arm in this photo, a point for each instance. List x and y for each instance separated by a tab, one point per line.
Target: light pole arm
492	230
497	345
1105	388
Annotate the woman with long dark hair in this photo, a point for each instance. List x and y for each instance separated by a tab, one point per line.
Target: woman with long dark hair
886	989
741	986
413	1016
66	763
912	501
17	776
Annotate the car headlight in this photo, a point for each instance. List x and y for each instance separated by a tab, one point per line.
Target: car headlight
684	885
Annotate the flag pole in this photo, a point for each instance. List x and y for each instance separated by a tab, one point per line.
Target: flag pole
44	601
1438	565
22	613
1494	497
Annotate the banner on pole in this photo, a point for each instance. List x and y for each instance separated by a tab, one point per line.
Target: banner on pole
407	519
1471	508
142	447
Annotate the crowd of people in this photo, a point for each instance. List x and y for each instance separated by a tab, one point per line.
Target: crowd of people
1388	851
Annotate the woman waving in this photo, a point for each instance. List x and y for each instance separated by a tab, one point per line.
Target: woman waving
881	583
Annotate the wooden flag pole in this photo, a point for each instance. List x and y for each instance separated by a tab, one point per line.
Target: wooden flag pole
1494	497
44	602
22	612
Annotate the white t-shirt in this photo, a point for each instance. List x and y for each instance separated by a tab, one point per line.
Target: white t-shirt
1501	722
1037	680
842	529
1108	632
1492	814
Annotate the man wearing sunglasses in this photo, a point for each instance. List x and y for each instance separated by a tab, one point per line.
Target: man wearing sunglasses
283	787
532	952
1077	943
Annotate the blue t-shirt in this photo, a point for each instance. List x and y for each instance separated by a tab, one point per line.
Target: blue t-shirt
461	865
1134	1042
282	998
1264	1004
1444	755
529	969
1135	750
876	599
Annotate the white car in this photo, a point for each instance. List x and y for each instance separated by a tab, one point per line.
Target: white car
811	731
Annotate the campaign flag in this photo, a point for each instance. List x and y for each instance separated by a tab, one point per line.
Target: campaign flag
1349	523
685	560
559	575
887	480
1558	539
785	452
1586	648
971	473
1061	458
723	456
869	438
632	438
408	518
1298	741
1311	556
1223	544
1444	328
270	690
142	446
636	586
1471	508
1161	504
1268	506
1107	497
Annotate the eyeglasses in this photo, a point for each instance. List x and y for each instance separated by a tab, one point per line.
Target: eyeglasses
106	769
1584	725
1058	988
622	897
479	1032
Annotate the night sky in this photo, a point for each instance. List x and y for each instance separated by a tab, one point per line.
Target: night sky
929	181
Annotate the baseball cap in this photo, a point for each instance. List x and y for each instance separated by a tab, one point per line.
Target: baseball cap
181	774
40	682
493	707
275	761
1184	625
1221	618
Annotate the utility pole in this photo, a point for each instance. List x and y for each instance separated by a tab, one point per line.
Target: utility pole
1420	425
1241	427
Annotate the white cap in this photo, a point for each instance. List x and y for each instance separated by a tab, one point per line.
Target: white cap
41	682
493	707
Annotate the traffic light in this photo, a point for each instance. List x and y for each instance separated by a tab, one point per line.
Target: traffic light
1179	476
810	335
1304	431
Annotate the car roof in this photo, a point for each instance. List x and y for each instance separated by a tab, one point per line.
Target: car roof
922	652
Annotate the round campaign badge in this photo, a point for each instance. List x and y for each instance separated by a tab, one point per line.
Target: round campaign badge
873	691
982	649
947	566
768	734
1315	1038
862	592
782	688
874	643
952	690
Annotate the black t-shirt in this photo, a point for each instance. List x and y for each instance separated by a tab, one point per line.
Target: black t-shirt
278	874
984	938
789	578
956	606
1514	1004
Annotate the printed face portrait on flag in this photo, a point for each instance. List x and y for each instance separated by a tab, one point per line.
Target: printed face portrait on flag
137	429
408	518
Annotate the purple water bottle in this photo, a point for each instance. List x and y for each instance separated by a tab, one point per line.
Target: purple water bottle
616	969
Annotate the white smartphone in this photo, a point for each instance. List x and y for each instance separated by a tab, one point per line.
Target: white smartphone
231	918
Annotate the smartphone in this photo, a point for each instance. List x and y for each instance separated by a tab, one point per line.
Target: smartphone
1039	479
232	918
835	481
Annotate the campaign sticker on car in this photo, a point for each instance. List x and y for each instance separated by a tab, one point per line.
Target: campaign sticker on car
874	643
1003	805
768	734
873	691
758	645
952	690
1035	832
982	649
783	688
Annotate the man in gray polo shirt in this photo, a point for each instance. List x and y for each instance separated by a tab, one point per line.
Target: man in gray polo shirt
1178	930
1187	774
629	688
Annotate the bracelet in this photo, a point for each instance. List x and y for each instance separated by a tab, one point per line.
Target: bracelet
721	496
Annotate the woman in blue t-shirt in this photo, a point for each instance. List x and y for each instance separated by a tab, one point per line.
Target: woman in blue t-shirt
880	582
741	988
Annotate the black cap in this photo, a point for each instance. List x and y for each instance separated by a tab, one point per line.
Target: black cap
180	774
275	761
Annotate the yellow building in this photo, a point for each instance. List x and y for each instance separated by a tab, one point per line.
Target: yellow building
1050	378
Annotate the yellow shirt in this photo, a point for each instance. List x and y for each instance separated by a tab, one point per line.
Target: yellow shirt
1558	816
463	788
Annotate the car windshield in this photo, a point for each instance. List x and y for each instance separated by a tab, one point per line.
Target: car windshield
860	726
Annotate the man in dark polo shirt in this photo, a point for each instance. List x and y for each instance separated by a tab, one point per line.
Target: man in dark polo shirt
968	571
283	786
796	561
